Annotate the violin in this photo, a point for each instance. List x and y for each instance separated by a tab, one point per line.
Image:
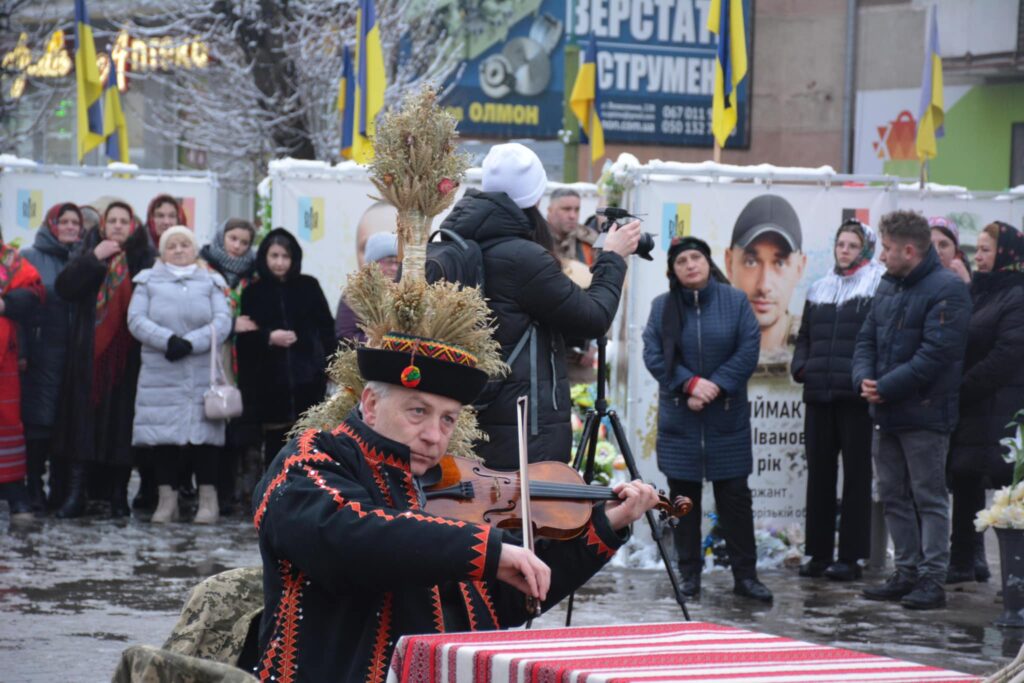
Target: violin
560	501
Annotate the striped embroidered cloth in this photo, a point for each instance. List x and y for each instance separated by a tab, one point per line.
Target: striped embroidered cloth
693	651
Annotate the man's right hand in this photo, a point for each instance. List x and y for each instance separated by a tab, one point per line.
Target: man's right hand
106	249
705	390
523	570
623	240
869	391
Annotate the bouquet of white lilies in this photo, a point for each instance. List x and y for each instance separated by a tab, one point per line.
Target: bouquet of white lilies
1007	511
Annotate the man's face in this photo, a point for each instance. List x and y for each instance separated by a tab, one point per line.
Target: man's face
898	256
564	215
422	421
376	219
768	272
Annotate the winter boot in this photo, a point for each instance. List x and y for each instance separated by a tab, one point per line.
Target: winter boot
981	571
146	498
74	504
166	507
208	511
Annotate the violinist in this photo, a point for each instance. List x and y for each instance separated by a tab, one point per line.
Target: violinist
353	558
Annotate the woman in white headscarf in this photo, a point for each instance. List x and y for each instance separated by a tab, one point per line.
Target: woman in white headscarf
177	311
837	418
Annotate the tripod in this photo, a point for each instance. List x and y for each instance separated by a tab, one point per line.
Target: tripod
588	447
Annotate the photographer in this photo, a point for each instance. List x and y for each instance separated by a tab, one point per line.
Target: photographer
535	305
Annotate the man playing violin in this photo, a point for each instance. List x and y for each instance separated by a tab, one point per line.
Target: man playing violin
352	560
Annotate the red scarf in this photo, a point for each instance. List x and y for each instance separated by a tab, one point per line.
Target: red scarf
15	273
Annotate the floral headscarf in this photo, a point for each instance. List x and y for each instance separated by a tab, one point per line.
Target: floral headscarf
58	210
868	239
1009	249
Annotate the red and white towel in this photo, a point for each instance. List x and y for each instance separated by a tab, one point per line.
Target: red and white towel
651	653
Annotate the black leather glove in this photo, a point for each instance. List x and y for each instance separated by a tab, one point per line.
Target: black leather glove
177	348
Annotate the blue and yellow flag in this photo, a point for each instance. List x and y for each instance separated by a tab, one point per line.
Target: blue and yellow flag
89	86
115	127
346	102
585	101
370	82
725	18
931	113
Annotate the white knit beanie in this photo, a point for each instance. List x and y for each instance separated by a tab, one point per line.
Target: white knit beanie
514	169
176	230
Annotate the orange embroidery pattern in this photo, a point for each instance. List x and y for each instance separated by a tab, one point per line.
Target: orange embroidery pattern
600	547
480	561
435	595
429	348
378	658
468	599
286	628
307	453
481	588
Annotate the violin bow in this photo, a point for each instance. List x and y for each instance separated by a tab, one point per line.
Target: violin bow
522	413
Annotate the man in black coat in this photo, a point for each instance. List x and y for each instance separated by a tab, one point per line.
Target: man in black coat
907	364
352	561
535	304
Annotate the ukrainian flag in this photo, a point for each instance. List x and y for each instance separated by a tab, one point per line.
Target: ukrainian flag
89	86
370	82
115	127
725	18
931	114
585	101
346	102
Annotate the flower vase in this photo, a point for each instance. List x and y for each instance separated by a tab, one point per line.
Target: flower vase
413	231
1011	561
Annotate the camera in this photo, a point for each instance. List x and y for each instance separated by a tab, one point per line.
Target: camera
620	217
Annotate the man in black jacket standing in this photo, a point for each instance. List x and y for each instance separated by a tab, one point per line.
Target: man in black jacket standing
907	365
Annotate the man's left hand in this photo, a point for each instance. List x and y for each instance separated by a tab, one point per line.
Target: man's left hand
635	498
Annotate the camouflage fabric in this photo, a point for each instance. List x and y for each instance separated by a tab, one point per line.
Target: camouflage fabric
147	664
208	638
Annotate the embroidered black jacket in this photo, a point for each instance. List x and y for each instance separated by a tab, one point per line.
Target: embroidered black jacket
351	562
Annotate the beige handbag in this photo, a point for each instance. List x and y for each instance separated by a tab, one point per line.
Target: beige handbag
221	401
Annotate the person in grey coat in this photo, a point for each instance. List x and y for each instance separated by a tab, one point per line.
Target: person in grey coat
173	307
45	342
701	343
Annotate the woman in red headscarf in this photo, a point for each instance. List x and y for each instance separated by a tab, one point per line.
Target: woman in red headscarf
97	401
21	292
164	212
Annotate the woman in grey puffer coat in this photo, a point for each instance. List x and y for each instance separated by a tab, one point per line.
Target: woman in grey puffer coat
173	307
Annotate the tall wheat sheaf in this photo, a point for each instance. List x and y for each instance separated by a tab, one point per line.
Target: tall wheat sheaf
416	169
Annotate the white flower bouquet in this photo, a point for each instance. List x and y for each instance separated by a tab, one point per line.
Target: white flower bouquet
1007	511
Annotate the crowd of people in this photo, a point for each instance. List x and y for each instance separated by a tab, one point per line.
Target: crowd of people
113	328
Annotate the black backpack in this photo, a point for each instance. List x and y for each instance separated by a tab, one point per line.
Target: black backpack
457	259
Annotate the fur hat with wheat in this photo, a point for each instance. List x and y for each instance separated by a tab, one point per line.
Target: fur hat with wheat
432	337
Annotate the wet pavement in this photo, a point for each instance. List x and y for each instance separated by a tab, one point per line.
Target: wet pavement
74	594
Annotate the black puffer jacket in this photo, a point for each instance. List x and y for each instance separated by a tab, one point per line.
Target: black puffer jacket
993	385
912	343
823	356
278	384
525	286
45	338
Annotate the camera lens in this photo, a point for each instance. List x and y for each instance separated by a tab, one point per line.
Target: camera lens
645	246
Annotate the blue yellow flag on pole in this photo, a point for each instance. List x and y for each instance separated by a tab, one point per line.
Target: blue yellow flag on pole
932	109
89	86
370	82
585	101
725	19
346	102
115	127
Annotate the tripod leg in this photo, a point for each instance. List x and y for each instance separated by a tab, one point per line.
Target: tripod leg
588	445
627	455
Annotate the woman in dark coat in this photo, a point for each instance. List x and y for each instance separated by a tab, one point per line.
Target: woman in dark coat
991	393
837	419
282	364
701	343
46	347
535	304
97	398
231	255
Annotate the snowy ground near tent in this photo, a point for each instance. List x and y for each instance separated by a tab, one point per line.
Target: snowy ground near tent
74	594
